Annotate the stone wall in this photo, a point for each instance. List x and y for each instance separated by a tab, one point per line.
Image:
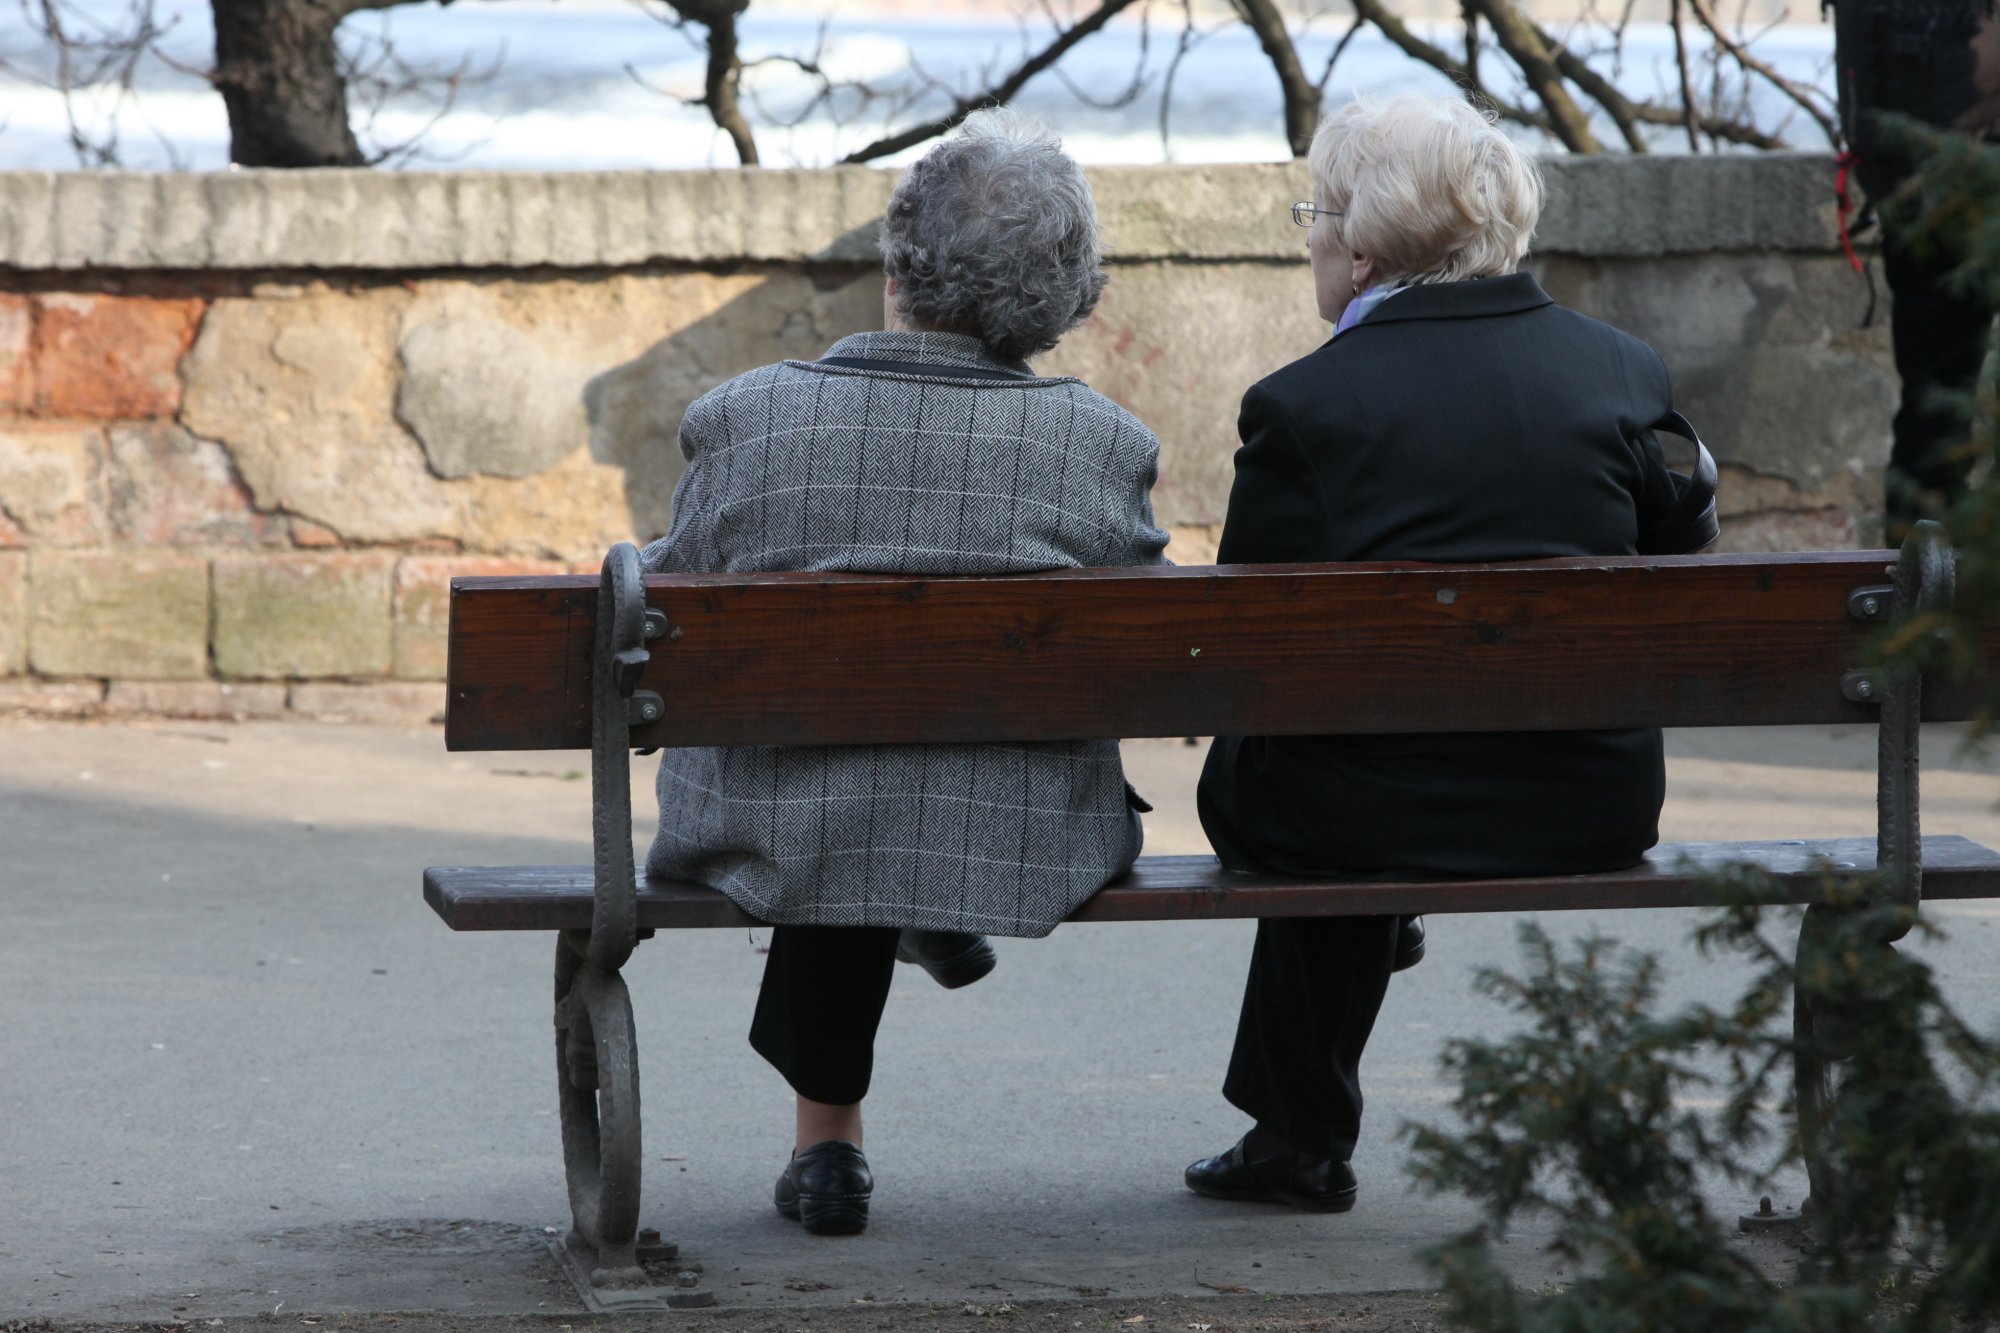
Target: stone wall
252	423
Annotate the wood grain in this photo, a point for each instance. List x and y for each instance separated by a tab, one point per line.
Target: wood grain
797	659
1183	888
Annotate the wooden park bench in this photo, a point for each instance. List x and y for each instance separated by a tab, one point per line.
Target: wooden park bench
621	661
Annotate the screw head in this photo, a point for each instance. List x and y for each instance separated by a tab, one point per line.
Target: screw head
1870	606
687	1277
1865	688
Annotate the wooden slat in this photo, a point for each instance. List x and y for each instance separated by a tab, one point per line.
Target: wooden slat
1179	888
827	659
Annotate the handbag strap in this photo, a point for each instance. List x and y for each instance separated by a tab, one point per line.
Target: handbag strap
928	369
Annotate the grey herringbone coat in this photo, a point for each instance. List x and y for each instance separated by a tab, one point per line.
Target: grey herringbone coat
808	466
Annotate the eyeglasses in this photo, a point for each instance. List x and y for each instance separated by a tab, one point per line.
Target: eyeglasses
1303	214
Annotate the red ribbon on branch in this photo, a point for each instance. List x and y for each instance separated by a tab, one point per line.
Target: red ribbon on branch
1845	162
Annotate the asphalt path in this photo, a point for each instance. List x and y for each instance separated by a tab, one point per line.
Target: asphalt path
244	1069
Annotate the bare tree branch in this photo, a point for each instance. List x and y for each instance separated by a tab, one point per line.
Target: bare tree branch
1527	47
1399	35
1130	93
378	76
1687	81
1704	13
90	51
1470	17
1190	38
998	94
1333	57
1302	95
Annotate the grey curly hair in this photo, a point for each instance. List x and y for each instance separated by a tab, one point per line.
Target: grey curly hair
994	233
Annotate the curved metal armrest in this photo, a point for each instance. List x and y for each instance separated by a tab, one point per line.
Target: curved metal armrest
617	662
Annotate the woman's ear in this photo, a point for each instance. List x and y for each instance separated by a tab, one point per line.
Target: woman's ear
1364	272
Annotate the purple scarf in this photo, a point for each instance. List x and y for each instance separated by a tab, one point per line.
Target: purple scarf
1364	305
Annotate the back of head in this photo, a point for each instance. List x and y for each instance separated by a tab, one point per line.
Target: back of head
994	233
1430	188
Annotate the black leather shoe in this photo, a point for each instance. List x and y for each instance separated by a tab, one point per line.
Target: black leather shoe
1316	1184
952	958
826	1187
1409	943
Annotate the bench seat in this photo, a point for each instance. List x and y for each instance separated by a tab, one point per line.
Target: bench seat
1183	888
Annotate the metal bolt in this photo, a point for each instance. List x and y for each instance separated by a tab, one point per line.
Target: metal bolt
1870	606
686	1278
649	711
649	1235
1864	689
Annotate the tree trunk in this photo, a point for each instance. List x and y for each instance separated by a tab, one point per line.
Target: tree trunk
725	77
1302	96
279	74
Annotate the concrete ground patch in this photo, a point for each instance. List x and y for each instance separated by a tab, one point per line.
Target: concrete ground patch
249	1072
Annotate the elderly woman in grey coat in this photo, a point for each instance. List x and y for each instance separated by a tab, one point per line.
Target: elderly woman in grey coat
929	448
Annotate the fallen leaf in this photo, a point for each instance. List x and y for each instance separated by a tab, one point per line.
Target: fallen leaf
1135	1319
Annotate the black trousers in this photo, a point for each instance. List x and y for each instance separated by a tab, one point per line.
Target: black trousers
1315	986
822	999
1940	339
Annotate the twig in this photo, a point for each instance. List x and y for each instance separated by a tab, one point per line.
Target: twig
1340	48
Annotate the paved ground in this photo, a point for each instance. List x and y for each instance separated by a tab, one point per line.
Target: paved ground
244	1070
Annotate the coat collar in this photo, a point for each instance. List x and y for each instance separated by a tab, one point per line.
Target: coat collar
1479	298
941	349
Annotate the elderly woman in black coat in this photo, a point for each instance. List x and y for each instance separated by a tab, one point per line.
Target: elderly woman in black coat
1457	414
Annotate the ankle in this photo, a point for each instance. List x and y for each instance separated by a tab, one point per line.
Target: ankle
817	1122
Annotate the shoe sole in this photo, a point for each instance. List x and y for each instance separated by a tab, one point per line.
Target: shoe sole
1338	1203
823	1215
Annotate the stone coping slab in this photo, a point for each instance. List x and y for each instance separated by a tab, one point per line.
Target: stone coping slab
400	221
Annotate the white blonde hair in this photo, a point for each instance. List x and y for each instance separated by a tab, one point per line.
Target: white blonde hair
1431	190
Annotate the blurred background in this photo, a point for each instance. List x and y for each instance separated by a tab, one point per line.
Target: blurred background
590	84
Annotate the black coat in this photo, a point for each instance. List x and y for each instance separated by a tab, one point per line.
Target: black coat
1465	421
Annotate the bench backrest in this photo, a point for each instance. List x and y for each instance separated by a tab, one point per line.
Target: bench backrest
805	659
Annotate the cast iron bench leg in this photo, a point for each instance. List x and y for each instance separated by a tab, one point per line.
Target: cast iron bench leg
1923	577
597	1077
597	1056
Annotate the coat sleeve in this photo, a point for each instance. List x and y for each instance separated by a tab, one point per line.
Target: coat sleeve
1144	543
1276	514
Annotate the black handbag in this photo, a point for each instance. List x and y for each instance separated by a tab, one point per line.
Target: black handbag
1692	524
